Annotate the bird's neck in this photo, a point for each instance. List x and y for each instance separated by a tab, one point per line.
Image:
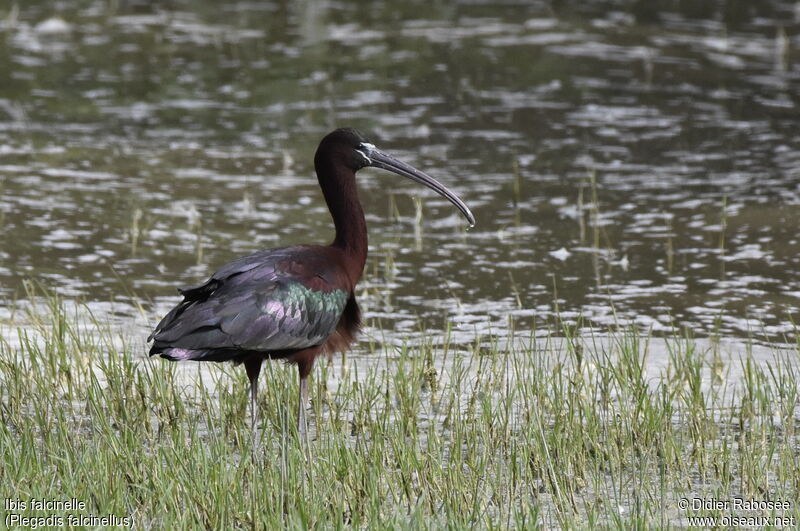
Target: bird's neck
339	188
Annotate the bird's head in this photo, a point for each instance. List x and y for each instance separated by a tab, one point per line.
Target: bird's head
350	148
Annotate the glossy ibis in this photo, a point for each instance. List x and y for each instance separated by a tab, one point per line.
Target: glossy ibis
291	303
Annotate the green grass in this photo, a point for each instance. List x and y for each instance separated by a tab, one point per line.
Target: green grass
559	432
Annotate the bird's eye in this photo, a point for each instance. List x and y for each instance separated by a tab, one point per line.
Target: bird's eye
363	157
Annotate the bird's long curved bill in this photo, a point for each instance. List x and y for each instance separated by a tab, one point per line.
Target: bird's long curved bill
379	159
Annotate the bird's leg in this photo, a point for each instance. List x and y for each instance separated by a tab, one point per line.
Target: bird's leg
304	368
302	427
253	368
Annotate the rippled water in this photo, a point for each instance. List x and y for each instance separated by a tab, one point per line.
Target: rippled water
625	164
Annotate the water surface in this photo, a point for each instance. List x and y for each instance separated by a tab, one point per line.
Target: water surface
626	164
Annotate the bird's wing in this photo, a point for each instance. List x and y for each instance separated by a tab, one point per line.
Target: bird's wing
261	259
261	306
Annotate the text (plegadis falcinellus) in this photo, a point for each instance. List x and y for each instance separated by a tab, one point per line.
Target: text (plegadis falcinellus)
291	303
